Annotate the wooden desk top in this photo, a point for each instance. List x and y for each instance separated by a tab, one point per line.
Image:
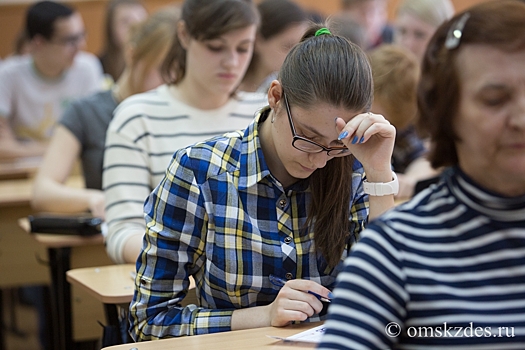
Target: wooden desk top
20	168
246	339
19	191
111	284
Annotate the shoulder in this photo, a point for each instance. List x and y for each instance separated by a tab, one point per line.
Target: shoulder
100	101
144	100
139	106
87	62
422	216
15	65
252	97
213	157
86	58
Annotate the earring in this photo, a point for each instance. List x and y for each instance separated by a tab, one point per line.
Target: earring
273	118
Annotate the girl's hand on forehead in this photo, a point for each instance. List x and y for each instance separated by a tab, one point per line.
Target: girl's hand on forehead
370	138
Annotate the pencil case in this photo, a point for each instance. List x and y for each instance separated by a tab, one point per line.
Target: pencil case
65	225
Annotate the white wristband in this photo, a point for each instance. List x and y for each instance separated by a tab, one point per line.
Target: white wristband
382	188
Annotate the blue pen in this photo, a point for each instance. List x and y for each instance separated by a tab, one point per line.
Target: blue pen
279	282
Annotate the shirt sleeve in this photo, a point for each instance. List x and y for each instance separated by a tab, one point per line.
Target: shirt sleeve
176	222
369	297
6	91
360	204
126	184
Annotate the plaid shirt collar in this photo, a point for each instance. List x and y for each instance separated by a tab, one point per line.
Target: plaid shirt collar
255	170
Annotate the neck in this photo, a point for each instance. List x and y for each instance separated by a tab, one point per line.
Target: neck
253	80
192	95
123	87
47	69
270	153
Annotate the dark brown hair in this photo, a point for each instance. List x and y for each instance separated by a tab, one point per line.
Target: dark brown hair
329	69
499	24
205	20
112	57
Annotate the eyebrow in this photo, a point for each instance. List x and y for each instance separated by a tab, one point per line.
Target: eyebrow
312	130
220	38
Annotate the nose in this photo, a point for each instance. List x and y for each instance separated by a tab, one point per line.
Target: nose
517	118
231	59
319	159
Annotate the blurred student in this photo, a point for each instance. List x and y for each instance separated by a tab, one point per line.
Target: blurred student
82	129
120	16
260	217
396	75
205	65
373	16
446	270
36	88
283	23
417	20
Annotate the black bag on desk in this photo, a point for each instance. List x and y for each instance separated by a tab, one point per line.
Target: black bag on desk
65	225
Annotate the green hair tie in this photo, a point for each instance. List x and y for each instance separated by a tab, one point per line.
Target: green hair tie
322	31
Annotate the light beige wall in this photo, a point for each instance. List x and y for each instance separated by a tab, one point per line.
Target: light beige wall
12	16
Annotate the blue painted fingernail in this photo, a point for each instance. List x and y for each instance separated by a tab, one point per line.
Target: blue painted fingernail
343	135
330	295
362	139
354	140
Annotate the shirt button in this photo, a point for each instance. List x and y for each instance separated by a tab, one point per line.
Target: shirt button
288	276
287	240
282	203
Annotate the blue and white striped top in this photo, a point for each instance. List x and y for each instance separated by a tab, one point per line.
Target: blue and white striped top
446	269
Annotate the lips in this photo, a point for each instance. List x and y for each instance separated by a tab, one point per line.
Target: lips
229	76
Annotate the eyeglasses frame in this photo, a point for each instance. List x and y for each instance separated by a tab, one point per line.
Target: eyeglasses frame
344	149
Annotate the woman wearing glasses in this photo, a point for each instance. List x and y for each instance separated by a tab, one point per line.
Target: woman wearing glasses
447	269
286	197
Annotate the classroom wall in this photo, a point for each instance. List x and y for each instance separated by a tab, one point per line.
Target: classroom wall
12	16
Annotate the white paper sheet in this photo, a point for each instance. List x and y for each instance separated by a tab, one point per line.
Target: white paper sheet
312	335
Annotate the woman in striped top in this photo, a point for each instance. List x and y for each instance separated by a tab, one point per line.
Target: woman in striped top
209	56
447	269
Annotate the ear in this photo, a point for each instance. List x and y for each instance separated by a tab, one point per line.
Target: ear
183	35
37	42
275	93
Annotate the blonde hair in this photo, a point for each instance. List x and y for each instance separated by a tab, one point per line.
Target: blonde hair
151	40
396	74
433	12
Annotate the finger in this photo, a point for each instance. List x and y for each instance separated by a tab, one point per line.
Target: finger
301	296
379	129
285	317
352	132
363	123
306	285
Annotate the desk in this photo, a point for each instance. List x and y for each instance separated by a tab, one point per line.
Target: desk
112	285
246	339
65	251
19	261
20	168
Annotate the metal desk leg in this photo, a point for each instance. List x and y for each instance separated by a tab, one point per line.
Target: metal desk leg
59	261
2	328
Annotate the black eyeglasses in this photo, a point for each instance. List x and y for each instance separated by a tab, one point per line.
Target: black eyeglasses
70	41
309	146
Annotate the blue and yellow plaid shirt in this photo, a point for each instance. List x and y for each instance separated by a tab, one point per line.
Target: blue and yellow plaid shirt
221	216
